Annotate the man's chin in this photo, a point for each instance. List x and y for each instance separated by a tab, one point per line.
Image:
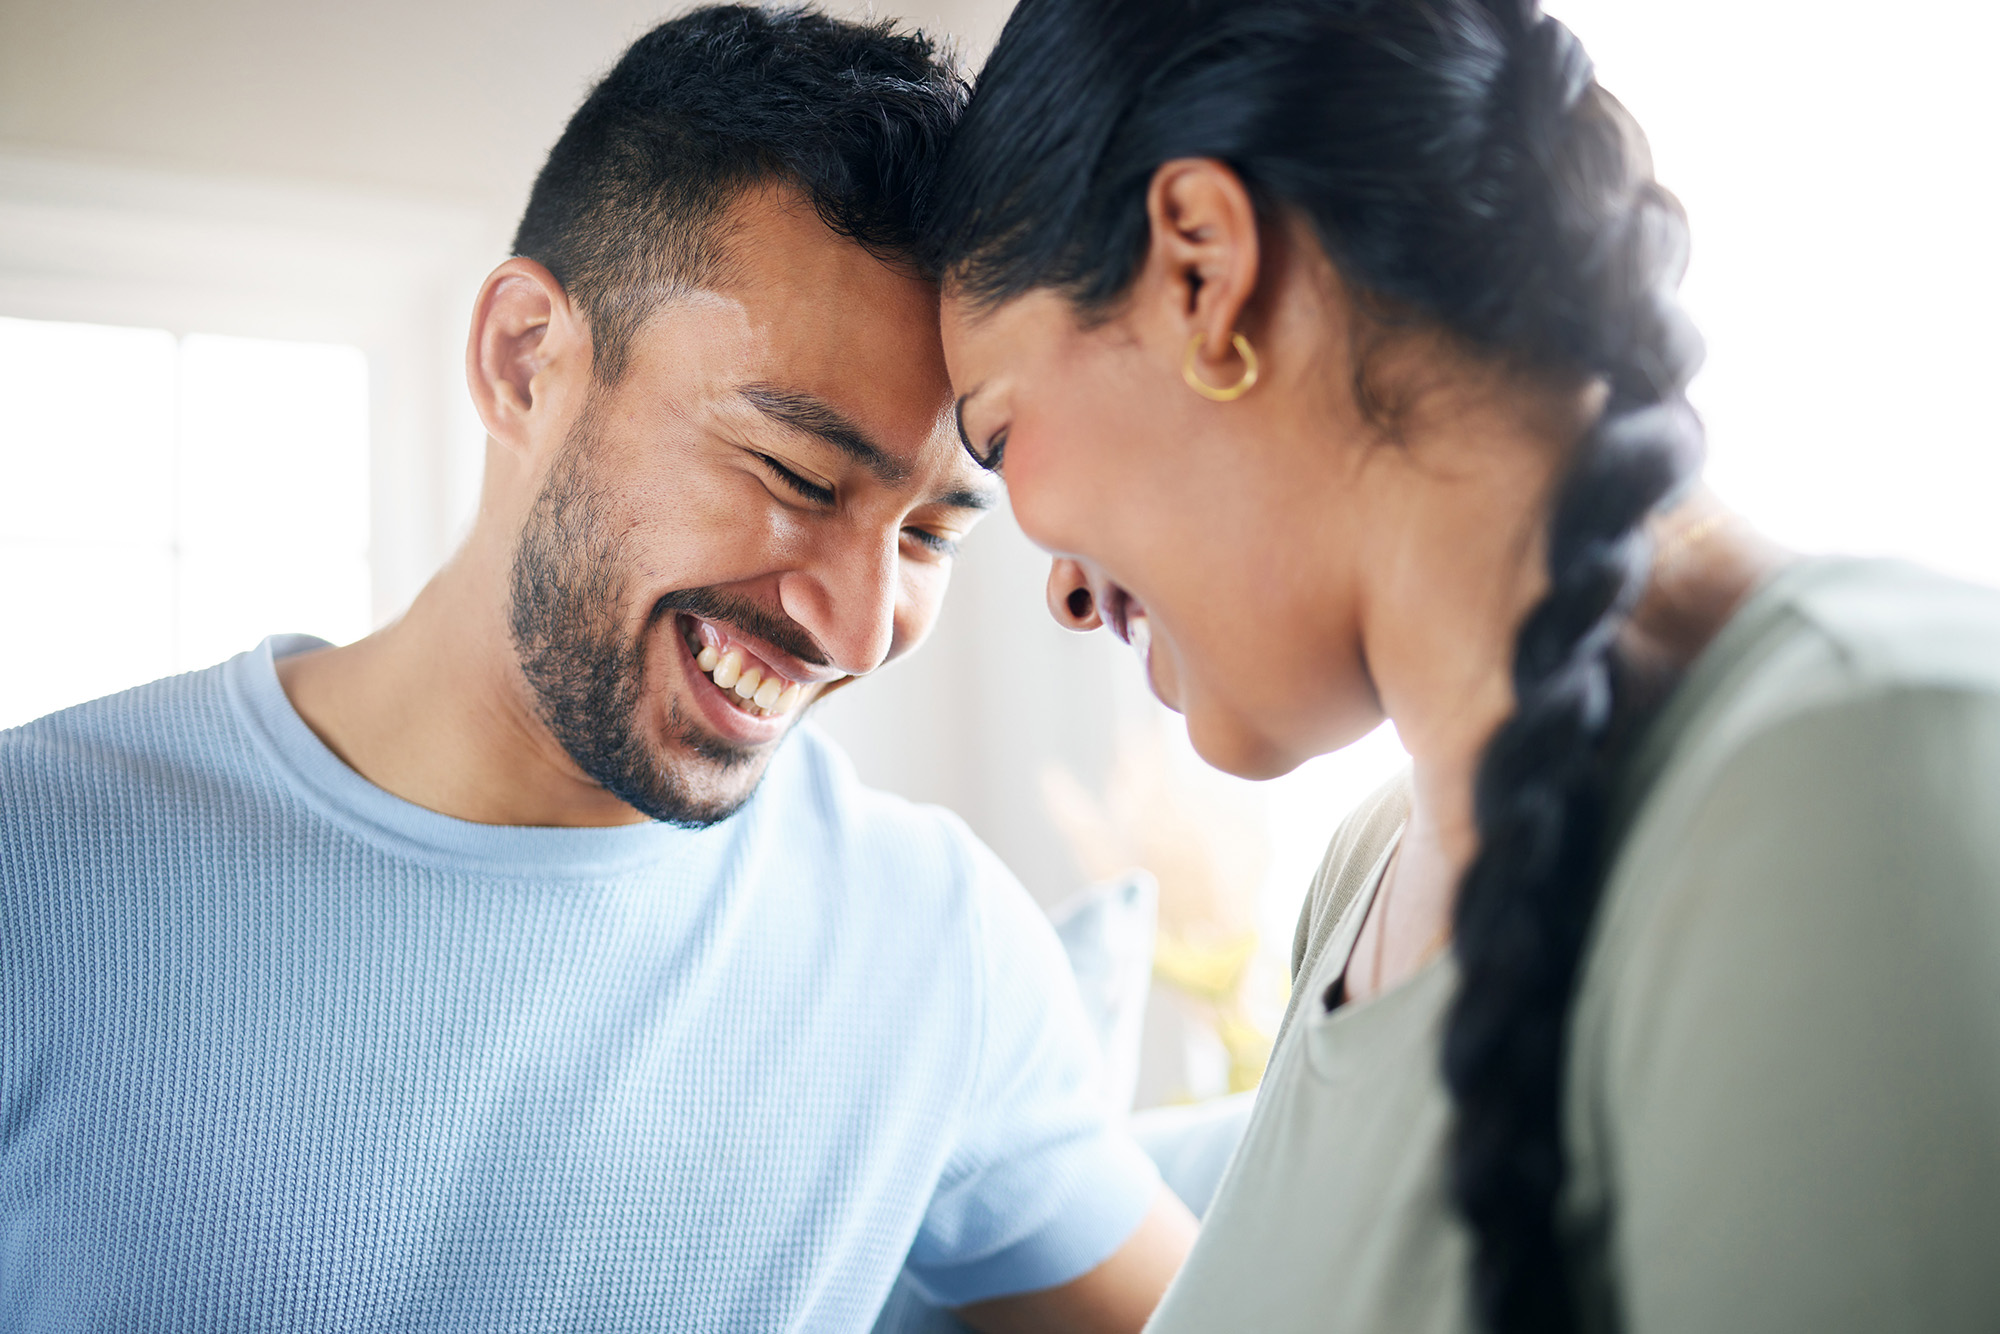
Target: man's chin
684	742
690	777
677	802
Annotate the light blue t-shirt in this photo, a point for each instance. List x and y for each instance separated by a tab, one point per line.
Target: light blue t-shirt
281	1051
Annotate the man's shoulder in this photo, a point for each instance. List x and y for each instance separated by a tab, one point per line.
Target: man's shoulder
164	723
104	781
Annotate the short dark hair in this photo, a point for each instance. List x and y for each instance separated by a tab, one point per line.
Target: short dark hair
855	115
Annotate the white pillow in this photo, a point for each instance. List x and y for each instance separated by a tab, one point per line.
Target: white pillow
1107	931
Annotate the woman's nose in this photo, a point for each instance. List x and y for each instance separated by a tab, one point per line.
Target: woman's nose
1070	600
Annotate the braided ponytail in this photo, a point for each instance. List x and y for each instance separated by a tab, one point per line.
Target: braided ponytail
1526	903
1458	161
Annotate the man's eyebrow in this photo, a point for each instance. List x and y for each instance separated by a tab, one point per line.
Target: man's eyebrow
816	417
970	498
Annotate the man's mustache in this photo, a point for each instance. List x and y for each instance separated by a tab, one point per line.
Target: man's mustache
774	628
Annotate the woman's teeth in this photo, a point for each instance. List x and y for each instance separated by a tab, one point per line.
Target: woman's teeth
1139	634
767	696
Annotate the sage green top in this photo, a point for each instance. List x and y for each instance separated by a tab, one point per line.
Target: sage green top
1782	1108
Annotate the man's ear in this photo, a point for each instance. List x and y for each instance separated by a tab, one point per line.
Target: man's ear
1203	257
528	355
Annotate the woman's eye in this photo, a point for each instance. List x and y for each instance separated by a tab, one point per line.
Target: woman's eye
996	446
817	494
995	453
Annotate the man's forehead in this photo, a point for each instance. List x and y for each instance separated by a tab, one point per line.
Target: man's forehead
772	244
823	335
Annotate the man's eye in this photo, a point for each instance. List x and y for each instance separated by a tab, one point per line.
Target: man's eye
812	491
933	542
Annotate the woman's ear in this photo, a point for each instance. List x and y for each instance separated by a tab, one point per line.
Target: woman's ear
528	351
1203	259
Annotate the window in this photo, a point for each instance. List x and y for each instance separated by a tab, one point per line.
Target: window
170	501
228	409
1833	160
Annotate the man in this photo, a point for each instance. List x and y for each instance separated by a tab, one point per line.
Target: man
517	966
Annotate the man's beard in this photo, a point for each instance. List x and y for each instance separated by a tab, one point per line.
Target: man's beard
588	681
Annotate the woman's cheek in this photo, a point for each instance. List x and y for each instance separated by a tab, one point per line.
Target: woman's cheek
1042	487
1163	674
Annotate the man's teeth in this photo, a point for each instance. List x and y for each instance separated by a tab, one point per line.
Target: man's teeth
772	695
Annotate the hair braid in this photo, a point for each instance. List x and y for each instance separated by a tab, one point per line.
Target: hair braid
1526	904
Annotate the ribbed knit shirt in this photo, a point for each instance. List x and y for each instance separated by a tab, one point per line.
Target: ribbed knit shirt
280	1051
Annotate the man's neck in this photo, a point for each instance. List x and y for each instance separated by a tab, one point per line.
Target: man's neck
432	708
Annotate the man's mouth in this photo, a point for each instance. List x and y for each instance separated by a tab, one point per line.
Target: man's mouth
745	680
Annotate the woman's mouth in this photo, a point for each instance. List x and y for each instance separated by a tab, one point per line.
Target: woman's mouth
1126	616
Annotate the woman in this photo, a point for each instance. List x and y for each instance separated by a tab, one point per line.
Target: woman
1332	346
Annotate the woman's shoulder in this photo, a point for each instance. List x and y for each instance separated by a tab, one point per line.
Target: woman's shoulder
1352	854
1828	634
1818	823
1789	1017
1844	687
1810	668
1894	621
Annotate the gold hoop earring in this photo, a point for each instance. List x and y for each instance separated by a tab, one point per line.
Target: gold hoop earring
1227	393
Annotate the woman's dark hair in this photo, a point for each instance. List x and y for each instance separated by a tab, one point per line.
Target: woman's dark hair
1462	169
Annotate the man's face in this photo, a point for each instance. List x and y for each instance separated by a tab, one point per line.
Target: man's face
765	504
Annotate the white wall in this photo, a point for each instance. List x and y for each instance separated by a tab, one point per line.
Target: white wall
453	100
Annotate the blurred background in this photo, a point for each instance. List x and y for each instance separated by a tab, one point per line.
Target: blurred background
239	240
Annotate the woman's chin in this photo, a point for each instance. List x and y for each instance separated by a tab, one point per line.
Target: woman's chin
1240	751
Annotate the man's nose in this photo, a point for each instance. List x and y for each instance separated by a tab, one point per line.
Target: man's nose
1070	600
845	597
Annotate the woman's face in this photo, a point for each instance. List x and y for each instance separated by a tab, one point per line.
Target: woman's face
1218	539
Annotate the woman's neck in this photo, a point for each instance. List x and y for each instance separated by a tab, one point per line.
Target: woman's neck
1458	562
1707	561
1452	559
